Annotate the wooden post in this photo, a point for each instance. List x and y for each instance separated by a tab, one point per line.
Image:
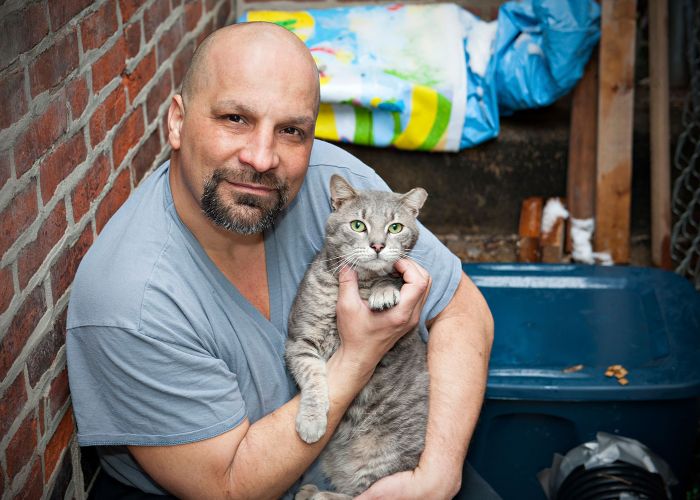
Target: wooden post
530	223
581	175
615	117
660	135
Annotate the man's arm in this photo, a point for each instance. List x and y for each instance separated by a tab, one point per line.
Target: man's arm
458	353
264	459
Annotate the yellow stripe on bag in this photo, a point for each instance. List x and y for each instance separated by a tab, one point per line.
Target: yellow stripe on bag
325	123
299	22
424	109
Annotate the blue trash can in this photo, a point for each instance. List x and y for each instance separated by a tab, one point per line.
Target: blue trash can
549	318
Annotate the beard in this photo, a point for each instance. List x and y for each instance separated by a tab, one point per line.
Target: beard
244	213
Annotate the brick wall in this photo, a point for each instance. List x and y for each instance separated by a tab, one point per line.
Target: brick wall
84	87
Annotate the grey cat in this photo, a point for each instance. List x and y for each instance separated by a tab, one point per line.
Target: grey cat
383	430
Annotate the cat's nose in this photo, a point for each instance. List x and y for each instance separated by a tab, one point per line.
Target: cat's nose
377	247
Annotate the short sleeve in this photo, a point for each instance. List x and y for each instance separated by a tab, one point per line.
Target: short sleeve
132	389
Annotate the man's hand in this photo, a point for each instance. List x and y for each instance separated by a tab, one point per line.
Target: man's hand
367	335
411	485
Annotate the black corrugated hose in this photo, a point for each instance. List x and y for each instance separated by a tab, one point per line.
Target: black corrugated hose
608	482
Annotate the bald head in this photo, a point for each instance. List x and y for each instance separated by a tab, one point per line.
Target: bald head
259	42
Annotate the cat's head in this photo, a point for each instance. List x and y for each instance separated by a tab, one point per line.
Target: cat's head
371	230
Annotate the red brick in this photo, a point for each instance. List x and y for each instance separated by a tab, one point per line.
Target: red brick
21	327
5	169
58	395
40	135
127	136
63	477
143	160
206	31
210	5
158	94
107	115
7	289
54	64
11	403
98	26
169	40
90	186
59	442
63	270
140	75
77	93
65	10
22	446
153	17
129	7
114	199
181	63
132	37
44	354
13	98
222	15
17	217
193	12
33	486
59	164
33	255
110	65
22	30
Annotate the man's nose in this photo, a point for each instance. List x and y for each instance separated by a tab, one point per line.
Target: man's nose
259	152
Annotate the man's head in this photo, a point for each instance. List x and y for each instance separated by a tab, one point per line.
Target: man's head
242	129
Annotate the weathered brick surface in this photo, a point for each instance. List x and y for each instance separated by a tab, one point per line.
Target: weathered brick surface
83	84
54	64
46	350
63	270
60	163
32	256
58	443
21	328
97	27
40	135
110	65
11	403
13	97
113	200
22	445
90	186
17	217
128	134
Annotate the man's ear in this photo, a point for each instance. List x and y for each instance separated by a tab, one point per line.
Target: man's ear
176	115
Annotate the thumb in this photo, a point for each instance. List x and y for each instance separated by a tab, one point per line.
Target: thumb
348	288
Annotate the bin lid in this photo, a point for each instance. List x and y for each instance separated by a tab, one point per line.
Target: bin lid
549	318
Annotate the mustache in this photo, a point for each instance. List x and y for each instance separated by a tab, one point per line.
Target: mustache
266	179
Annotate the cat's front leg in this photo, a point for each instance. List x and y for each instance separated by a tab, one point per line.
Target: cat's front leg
384	294
309	371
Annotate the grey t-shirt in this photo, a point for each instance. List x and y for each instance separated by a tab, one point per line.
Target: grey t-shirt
162	349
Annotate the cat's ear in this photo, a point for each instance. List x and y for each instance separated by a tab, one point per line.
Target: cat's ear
414	199
341	191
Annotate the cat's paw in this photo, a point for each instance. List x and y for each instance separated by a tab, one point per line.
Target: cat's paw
312	418
306	492
384	297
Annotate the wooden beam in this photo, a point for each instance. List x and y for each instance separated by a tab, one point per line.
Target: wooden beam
615	117
530	223
660	135
581	175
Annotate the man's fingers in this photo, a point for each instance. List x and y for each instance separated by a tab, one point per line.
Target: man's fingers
417	283
348	291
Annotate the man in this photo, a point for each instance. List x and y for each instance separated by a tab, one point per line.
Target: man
178	312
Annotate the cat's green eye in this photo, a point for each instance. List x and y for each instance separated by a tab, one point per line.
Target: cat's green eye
396	227
358	225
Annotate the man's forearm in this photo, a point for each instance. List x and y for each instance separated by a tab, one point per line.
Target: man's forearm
458	354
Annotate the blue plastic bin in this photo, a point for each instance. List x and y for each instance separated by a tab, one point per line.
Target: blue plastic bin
551	317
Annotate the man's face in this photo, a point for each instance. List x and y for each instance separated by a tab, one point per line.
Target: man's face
246	138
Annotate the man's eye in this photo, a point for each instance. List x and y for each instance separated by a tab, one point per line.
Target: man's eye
235	118
291	131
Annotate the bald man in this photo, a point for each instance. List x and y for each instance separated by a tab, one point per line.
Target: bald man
178	312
